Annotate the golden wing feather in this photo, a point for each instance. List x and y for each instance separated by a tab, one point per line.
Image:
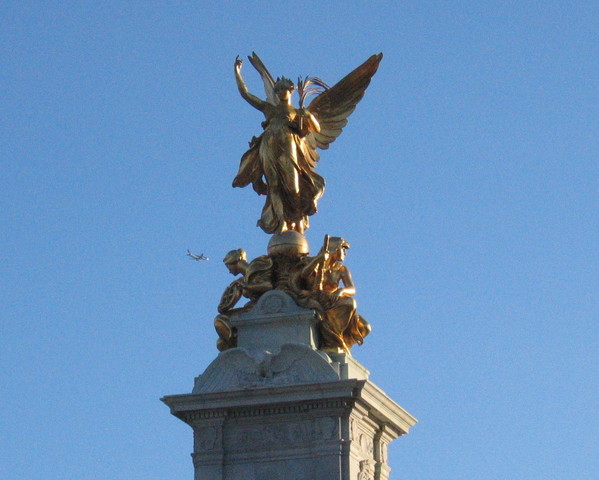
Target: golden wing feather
333	106
269	83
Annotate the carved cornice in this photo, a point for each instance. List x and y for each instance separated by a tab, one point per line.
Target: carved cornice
342	394
195	416
385	411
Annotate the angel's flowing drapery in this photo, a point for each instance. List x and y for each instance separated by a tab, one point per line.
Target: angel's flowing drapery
292	187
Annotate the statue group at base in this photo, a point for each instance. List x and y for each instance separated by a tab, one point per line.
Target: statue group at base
321	283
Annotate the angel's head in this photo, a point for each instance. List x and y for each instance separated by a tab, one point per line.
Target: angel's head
283	88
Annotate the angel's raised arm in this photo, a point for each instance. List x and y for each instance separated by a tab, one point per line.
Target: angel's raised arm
243	89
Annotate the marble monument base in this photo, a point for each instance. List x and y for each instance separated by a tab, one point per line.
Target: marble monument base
277	408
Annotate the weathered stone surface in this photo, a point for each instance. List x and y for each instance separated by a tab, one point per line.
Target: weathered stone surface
241	368
276	408
348	367
274	321
317	431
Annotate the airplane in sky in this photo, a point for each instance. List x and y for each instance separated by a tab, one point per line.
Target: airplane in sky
199	257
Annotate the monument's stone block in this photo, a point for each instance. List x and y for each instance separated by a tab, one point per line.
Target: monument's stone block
317	431
290	364
274	321
276	408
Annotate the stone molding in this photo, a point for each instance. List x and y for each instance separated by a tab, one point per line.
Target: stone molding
295	399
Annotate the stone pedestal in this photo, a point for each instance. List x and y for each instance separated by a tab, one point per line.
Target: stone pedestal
276	408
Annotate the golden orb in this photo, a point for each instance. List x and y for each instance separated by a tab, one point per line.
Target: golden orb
289	243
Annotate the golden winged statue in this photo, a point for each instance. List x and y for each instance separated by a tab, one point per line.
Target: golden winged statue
281	162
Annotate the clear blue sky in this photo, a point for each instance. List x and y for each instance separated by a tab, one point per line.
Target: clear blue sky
466	182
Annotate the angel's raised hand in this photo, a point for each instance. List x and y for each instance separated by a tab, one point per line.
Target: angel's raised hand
238	63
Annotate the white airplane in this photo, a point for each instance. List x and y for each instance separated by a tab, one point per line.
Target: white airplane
199	257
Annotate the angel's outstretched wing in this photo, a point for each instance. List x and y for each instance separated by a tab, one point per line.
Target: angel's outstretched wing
269	83
332	107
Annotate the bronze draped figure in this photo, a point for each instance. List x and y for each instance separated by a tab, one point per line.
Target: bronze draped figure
281	162
256	279
325	284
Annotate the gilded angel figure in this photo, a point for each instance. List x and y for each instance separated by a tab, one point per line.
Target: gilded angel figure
281	162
